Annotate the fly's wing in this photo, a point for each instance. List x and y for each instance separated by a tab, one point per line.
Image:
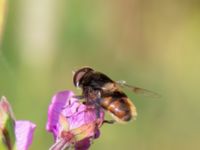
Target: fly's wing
138	90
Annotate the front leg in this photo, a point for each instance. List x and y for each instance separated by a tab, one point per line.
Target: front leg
78	97
81	98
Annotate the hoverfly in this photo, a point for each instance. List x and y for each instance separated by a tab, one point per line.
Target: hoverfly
101	91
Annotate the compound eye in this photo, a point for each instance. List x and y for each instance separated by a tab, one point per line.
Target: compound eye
79	75
77	78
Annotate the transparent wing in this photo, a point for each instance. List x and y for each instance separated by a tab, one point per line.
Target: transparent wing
138	90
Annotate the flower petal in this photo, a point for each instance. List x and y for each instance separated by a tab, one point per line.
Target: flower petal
82	120
83	144
24	134
58	103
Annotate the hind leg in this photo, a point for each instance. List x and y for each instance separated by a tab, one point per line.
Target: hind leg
109	121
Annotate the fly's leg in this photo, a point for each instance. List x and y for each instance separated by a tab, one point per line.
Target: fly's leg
98	107
98	113
78	97
109	121
77	108
81	98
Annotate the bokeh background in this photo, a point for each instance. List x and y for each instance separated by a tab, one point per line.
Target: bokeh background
153	44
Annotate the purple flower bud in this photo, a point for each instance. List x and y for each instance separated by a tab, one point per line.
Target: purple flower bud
15	134
71	122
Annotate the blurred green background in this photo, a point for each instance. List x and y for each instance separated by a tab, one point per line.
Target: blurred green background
154	44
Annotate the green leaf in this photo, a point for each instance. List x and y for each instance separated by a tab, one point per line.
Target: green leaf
2	144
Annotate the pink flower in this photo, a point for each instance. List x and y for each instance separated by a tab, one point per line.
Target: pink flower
72	123
24	134
15	135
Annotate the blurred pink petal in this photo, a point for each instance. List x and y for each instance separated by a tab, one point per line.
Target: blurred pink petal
24	134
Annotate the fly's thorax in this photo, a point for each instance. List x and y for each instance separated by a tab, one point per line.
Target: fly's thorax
110	87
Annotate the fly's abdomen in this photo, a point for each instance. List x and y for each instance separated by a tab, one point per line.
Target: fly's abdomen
118	107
